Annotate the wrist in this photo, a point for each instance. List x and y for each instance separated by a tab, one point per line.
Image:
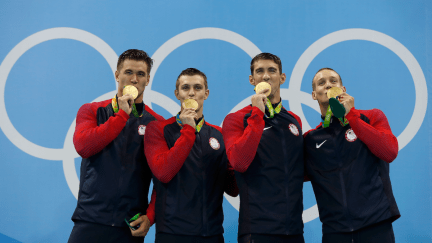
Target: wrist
123	114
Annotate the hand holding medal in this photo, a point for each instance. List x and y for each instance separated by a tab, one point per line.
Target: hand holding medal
347	101
340	103
336	107
188	114
126	102
259	100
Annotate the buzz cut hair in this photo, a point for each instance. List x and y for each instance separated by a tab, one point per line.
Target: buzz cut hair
326	68
136	55
191	72
266	56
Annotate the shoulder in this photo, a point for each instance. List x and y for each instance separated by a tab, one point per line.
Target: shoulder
214	126
295	116
93	106
161	123
156	128
154	114
240	113
373	112
311	131
372	115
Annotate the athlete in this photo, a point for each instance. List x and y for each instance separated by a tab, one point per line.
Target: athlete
191	172
264	144
115	177
347	160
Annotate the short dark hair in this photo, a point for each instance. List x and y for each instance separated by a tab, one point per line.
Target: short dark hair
326	68
191	72
266	56
136	55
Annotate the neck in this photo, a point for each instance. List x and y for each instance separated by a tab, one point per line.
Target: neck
323	108
276	98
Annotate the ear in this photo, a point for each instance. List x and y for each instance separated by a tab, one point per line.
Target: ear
314	96
176	93
283	78
251	80
207	92
116	74
344	89
148	80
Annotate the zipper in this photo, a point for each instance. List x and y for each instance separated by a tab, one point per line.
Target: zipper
344	191
286	174
203	175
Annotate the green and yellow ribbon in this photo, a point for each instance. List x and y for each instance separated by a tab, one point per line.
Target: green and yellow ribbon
198	126
272	110
116	109
327	118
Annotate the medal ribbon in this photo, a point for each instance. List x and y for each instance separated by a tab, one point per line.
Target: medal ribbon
116	109
197	128
272	110
327	119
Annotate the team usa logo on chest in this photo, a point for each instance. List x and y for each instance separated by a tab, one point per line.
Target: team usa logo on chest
214	143
293	129
350	135
141	129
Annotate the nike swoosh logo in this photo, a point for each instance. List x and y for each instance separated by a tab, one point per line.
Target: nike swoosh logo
265	128
318	146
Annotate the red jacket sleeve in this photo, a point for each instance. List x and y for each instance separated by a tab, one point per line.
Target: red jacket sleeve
89	138
165	162
241	144
231	187
151	207
377	135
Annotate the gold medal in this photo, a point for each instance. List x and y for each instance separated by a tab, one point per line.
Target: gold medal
333	92
190	103
130	89
261	86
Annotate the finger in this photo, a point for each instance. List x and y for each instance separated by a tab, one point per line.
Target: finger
134	223
263	91
129	97
137	221
190	114
139	232
188	110
135	232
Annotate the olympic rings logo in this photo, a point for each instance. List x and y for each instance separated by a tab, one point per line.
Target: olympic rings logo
293	94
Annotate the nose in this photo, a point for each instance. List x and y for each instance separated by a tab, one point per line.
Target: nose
134	79
191	92
266	76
